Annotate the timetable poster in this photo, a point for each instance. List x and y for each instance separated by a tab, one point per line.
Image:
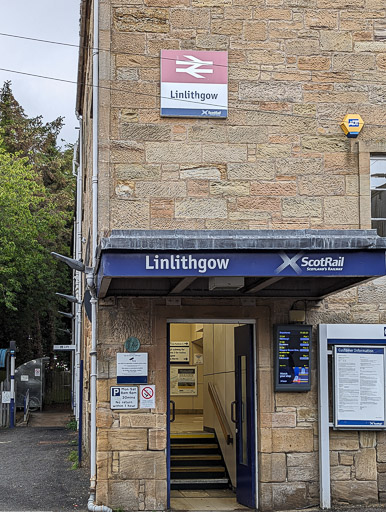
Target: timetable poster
359	387
293	353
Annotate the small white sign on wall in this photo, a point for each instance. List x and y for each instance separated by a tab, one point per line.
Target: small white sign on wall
147	397
179	352
124	397
6	397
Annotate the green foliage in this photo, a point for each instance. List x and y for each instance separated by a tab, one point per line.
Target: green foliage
73	457
36	211
72	424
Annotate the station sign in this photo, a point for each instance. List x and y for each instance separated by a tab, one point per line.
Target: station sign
194	84
64	347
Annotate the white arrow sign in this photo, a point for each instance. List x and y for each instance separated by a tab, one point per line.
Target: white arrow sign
194	66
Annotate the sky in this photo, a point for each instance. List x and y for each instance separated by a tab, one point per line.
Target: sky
54	20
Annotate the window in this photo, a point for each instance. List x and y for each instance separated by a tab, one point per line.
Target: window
378	193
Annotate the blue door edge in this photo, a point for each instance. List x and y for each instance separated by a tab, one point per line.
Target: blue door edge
168	411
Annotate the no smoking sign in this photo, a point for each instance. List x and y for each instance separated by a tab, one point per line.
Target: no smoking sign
147	397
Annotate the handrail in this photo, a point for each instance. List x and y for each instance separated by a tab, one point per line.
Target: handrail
226	430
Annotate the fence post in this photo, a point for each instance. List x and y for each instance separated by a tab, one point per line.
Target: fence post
12	346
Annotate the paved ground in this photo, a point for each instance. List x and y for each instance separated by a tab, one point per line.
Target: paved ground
35	472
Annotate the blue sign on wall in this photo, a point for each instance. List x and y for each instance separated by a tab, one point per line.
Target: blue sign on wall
264	263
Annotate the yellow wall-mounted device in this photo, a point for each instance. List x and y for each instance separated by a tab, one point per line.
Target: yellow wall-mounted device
352	124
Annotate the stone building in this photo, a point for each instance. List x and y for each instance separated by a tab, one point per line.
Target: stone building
203	231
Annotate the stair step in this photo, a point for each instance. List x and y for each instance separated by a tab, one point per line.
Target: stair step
196	457
192	435
199	483
192	469
193	446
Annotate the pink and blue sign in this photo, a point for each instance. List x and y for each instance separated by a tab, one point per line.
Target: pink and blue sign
194	84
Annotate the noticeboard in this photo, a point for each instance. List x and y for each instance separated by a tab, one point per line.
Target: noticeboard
359	387
183	380
292	357
179	352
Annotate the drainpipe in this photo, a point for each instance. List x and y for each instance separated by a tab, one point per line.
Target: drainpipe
91	275
75	366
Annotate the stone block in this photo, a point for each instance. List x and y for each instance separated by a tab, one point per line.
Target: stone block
208	133
366	464
160	189
135	439
302	207
162	208
320	19
303	474
354	492
344	61
124	494
314	63
299	166
212	42
279	188
287	496
201	208
335	41
224	153
272	467
157	439
255	30
227	27
382	482
302	47
270	91
341	211
322	185
334	458
309	460
381	452
229	188
173	152
190	18
155	494
135	465
340	473
138	420
292	440
344	441
264	204
104	417
128	19
142	132
247	134
129	214
259	170
201	173
278	419
346	459
325	144
369	439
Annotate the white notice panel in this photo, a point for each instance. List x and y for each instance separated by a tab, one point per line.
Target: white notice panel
359	387
183	380
122	397
132	368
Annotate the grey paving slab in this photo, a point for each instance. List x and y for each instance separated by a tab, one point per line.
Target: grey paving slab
35	472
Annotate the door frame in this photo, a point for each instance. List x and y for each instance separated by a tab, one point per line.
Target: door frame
190	320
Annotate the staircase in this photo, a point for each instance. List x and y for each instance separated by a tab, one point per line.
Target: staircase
196	462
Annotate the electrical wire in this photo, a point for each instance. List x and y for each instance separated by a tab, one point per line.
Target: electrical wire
242	109
275	72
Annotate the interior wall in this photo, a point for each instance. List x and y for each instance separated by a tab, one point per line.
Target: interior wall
192	333
219	369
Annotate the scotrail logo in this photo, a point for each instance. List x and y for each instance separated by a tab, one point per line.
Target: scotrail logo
310	264
179	262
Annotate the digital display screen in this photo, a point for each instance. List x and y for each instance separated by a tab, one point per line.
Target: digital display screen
292	357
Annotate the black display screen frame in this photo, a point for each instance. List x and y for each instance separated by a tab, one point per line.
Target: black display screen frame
296	329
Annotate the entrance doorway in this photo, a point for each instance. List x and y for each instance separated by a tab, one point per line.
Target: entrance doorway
212	408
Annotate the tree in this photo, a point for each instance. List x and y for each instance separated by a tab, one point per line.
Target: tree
36	210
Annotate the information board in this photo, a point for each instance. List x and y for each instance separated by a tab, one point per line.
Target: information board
132	367
180	352
183	380
292	357
359	394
